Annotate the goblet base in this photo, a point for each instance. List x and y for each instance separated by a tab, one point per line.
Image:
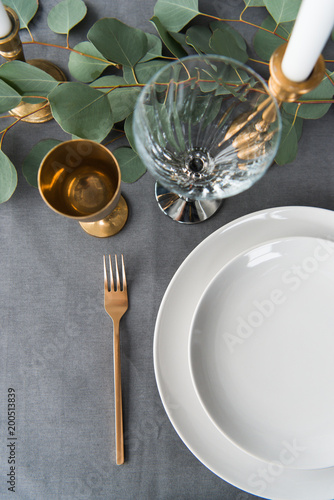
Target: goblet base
183	210
110	225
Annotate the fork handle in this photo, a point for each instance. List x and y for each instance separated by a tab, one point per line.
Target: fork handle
118	397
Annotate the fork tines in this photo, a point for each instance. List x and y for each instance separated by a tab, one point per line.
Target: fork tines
110	284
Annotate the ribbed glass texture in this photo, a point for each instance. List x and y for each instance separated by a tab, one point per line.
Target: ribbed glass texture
206	127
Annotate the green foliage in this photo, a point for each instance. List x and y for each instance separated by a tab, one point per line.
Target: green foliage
130	164
198	37
288	147
266	42
8	178
27	80
25	9
118	42
117	60
83	68
175	14
81	110
172	45
283	10
226	41
145	71
154	48
33	159
9	98
65	15
122	101
129	131
324	92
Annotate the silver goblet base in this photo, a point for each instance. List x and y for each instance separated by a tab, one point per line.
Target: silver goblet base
184	210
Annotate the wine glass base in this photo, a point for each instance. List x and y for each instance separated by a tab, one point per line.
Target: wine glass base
110	225
182	210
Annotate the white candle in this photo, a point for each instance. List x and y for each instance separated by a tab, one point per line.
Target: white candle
5	23
310	33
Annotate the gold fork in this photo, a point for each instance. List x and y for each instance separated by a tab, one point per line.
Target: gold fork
116	304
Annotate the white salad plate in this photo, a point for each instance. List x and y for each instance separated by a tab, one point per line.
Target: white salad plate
268	479
261	351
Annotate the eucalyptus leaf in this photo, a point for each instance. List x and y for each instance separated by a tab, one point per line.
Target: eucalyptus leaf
122	102
129	75
146	71
8	177
283	10
87	69
172	45
132	168
175	14
226	41
180	38
25	9
266	42
198	37
65	15
33	159
9	98
128	129
26	79
107	82
324	92
154	48
288	147
81	110
118	42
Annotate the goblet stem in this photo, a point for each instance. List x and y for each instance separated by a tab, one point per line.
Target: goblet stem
110	225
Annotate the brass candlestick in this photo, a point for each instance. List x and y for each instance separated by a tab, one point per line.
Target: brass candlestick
286	90
11	49
250	142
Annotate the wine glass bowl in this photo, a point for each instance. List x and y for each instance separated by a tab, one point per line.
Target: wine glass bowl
207	128
81	180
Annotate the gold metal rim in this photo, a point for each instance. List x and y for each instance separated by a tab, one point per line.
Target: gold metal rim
79	218
285	89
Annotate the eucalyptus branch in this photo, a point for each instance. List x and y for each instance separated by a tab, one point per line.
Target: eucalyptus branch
71	50
240	20
115	138
4	131
259	62
136	52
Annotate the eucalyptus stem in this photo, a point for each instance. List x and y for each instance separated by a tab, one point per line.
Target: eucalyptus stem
115	138
4	131
71	50
240	20
259	62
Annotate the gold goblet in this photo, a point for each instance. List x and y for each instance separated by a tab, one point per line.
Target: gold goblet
81	179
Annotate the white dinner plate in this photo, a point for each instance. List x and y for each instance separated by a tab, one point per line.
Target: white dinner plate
184	409
261	351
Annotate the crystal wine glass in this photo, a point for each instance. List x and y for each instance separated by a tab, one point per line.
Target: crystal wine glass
206	127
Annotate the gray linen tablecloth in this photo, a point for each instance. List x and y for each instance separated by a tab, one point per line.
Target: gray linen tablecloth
56	339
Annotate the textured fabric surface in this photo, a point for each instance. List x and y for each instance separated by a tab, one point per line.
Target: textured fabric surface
56	339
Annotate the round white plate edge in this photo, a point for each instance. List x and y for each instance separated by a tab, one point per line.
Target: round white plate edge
274	487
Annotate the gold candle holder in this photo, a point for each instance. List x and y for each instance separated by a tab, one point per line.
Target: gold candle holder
286	90
11	49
